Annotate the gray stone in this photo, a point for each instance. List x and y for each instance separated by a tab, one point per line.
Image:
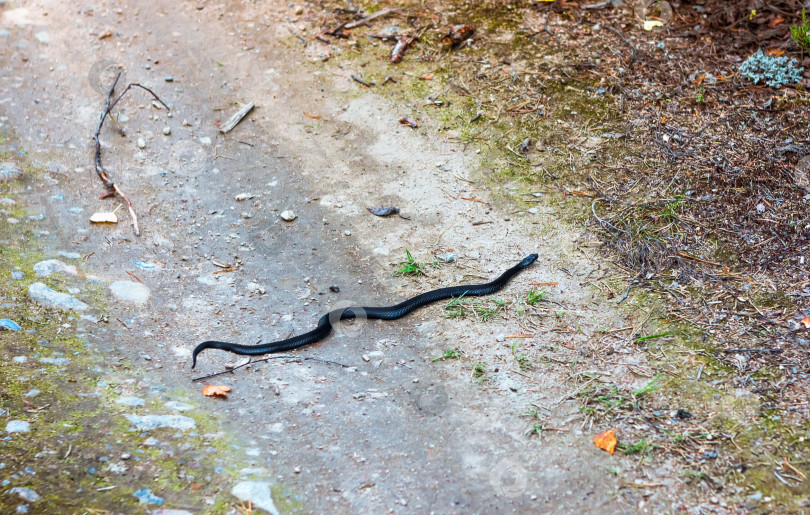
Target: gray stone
131	401
258	493
18	426
288	216
9	172
32	393
17	276
69	255
26	493
179	406
55	361
129	291
149	422
45	296
11	325
52	266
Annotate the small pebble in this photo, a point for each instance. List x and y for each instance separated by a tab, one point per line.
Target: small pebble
169	79
298	9
288	216
141	143
167	131
500	338
533	210
348	233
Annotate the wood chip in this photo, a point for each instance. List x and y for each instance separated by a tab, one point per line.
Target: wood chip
234	120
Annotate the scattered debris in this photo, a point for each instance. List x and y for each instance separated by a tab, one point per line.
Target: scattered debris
525	146
410	122
378	14
360	81
403	42
457	34
235	118
383	210
102	173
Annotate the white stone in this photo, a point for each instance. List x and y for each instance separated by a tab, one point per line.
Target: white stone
129	291
18	426
149	422
258	493
51	266
45	296
288	216
26	493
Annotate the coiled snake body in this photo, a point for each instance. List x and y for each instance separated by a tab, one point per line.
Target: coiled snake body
381	313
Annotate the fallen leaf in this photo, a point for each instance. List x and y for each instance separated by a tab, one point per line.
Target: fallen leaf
776	52
426	76
776	22
104	218
806	322
313	116
606	441
216	390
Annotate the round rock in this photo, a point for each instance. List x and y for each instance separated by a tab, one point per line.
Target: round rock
129	291
288	216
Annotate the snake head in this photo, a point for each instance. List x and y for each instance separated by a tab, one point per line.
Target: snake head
528	260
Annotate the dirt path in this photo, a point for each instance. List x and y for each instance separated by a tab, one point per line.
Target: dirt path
396	432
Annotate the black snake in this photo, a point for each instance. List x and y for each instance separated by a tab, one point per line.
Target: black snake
382	313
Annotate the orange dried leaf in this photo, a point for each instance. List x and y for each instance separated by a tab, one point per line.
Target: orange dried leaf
216	390
426	76
806	322
776	22
606	441
312	116
776	52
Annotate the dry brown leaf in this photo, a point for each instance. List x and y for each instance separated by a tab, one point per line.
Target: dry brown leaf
606	441
776	52
216	390
313	116
806	322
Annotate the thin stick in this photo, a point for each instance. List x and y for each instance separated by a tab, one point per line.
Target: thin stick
380	14
263	360
110	103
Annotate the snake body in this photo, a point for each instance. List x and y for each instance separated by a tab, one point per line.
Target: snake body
381	313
